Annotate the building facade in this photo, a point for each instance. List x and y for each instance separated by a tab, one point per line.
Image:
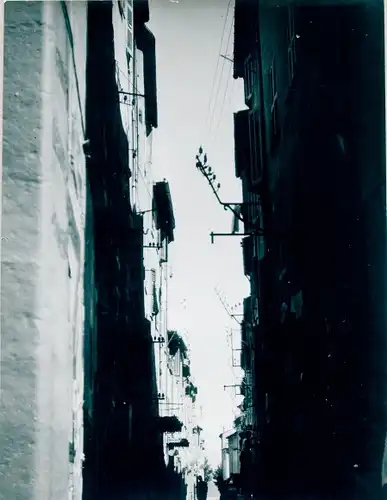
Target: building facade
42	249
314	209
184	448
85	235
133	220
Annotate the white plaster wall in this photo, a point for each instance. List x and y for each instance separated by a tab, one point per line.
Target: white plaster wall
42	206
77	197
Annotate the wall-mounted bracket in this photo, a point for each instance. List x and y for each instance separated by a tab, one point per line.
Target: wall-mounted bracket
257	232
235	387
155	247
134	94
206	170
173	404
212	234
158	340
146	211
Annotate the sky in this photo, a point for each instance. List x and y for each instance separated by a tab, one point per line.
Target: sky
196	100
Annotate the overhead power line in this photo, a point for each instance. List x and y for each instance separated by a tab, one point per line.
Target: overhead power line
220	78
223	102
209	107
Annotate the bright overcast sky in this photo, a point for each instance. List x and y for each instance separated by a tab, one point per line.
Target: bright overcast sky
188	36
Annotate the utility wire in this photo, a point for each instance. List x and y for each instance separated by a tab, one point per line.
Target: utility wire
227	81
224	100
128	80
216	70
228	75
225	307
217	64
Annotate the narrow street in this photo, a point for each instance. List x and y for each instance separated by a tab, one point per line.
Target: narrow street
193	250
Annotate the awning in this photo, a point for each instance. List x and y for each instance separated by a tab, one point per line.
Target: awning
145	41
163	210
245	25
242	141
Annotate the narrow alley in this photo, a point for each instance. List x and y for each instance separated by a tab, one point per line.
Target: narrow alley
113	383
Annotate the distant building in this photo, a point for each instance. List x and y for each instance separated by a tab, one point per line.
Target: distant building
310	153
184	450
230	453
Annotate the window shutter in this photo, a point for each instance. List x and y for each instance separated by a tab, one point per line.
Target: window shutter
129	21
256	156
247	311
241	138
247	246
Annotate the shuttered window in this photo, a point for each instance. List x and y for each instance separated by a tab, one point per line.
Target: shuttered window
250	80
129	20
242	144
274	113
247	246
247	311
256	154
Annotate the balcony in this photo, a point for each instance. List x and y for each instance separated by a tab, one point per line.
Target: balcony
169	425
146	43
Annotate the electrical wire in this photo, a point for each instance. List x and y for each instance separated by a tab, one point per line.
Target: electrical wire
130	81
227	82
217	64
146	183
223	102
216	72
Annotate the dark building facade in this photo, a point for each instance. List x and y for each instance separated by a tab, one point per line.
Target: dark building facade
310	153
123	442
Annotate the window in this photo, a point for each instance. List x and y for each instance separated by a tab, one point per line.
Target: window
241	141
247	248
274	118
260	240
249	80
255	147
163	251
129	17
130	41
121	8
291	43
129	14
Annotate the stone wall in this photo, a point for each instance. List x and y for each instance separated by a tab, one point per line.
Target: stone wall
42	251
